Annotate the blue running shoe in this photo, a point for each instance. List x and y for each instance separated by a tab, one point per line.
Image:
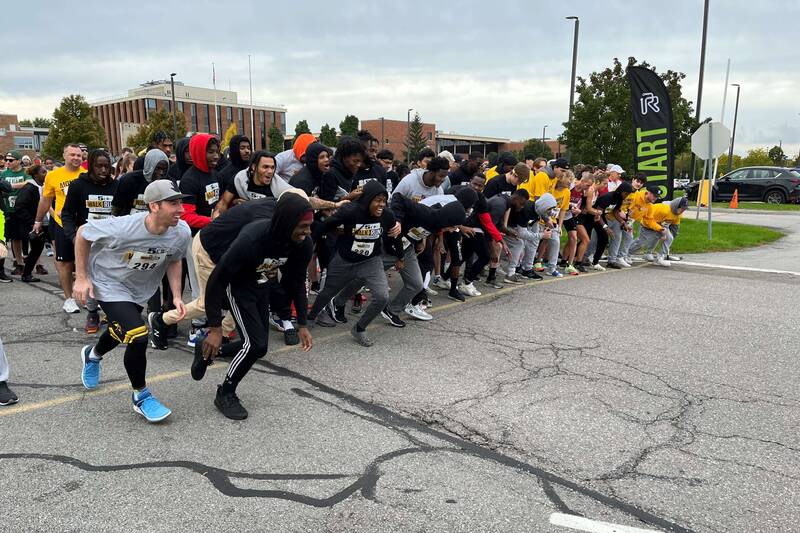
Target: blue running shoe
149	407
90	376
556	274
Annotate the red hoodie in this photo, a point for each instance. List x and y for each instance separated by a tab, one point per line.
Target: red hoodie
200	183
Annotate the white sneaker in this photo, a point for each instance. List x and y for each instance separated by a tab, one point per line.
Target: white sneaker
622	262
416	312
660	261
598	267
71	306
441	283
649	257
431	292
673	258
501	271
276	323
469	289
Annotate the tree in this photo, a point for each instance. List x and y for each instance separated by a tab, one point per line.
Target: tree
492	158
757	157
232	130
160	120
723	163
301	128
38	122
415	140
601	129
349	126
777	156
536	148
327	135
73	122
275	140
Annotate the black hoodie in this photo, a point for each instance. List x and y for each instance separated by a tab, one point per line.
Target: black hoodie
86	200
235	163
361	239
181	164
217	236
311	179
343	177
261	255
418	220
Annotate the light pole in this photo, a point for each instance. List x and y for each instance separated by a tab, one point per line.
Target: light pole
574	64
174	122
733	135
408	134
543	130
702	70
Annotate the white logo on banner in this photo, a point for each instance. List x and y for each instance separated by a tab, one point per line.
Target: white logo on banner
649	101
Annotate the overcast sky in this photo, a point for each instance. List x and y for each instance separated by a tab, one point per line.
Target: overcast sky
486	68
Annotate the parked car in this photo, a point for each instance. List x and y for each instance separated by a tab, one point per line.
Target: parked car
773	185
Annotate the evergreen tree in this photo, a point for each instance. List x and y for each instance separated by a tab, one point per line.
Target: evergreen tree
349	126
300	128
275	140
327	135
415	140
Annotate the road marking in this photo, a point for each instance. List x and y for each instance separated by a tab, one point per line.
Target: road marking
743	268
593	526
124	386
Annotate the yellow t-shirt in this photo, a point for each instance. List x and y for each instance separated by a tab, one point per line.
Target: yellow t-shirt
656	215
492	172
562	197
541	183
636	205
56	184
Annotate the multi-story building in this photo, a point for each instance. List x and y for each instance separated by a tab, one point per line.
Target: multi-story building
27	140
205	110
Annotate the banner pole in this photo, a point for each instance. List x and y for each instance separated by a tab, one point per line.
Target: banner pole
710	176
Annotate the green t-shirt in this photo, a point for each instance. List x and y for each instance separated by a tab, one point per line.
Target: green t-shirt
12	178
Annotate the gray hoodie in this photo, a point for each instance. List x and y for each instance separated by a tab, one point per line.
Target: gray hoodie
151	160
277	185
678	203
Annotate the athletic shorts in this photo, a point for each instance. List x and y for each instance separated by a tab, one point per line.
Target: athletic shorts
15	229
65	248
571	224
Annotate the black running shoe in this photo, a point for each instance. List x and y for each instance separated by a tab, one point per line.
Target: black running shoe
392	318
455	294
158	331
7	396
30	279
337	313
199	363
291	337
229	405
580	267
4	278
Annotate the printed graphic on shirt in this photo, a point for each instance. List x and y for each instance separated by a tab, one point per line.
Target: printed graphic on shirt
368	232
212	193
148	259
255	195
269	270
416	197
99	206
418	233
139	204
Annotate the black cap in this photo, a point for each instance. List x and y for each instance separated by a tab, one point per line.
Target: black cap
560	163
656	191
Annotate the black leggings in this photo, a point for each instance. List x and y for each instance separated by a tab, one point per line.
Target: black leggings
37	245
602	237
425	261
125	326
452	240
478	245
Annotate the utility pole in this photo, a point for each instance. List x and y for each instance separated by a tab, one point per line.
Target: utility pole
174	122
702	70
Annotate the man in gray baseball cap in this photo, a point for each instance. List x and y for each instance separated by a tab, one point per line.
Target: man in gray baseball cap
120	261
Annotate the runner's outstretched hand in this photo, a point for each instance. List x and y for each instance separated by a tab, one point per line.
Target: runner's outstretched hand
306	341
82	289
179	307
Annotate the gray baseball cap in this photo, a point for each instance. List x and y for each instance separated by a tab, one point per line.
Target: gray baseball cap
162	190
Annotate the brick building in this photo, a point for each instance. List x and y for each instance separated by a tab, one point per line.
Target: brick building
393	134
121	116
27	140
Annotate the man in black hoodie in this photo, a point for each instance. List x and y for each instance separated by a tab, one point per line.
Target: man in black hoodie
357	261
418	222
463	174
183	160
238	158
161	140
89	198
350	156
265	252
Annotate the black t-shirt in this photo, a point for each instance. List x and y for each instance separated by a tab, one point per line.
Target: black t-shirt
217	236
86	200
255	192
202	188
498	185
498	205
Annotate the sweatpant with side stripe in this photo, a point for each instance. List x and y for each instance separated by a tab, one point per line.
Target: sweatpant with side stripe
250	310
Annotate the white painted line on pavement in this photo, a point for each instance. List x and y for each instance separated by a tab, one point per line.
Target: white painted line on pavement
744	268
593	526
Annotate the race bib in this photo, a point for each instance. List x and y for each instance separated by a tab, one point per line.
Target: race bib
363	248
418	233
212	193
145	260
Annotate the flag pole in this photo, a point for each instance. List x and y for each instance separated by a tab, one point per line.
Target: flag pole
214	81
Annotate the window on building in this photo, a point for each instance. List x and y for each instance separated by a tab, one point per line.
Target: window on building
430	136
208	118
168	105
23	143
230	114
179	106
149	106
273	118
241	121
263	130
194	117
283	123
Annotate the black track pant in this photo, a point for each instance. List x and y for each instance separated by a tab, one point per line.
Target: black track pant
452	240
125	326
478	245
250	309
602	237
37	245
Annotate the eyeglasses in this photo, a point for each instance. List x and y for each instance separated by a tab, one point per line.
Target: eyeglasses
10	159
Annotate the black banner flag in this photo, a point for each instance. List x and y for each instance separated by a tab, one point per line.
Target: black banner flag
653	138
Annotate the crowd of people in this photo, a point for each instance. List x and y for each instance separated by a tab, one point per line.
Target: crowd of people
252	235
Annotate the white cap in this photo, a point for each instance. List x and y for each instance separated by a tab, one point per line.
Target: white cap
447	155
615	168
